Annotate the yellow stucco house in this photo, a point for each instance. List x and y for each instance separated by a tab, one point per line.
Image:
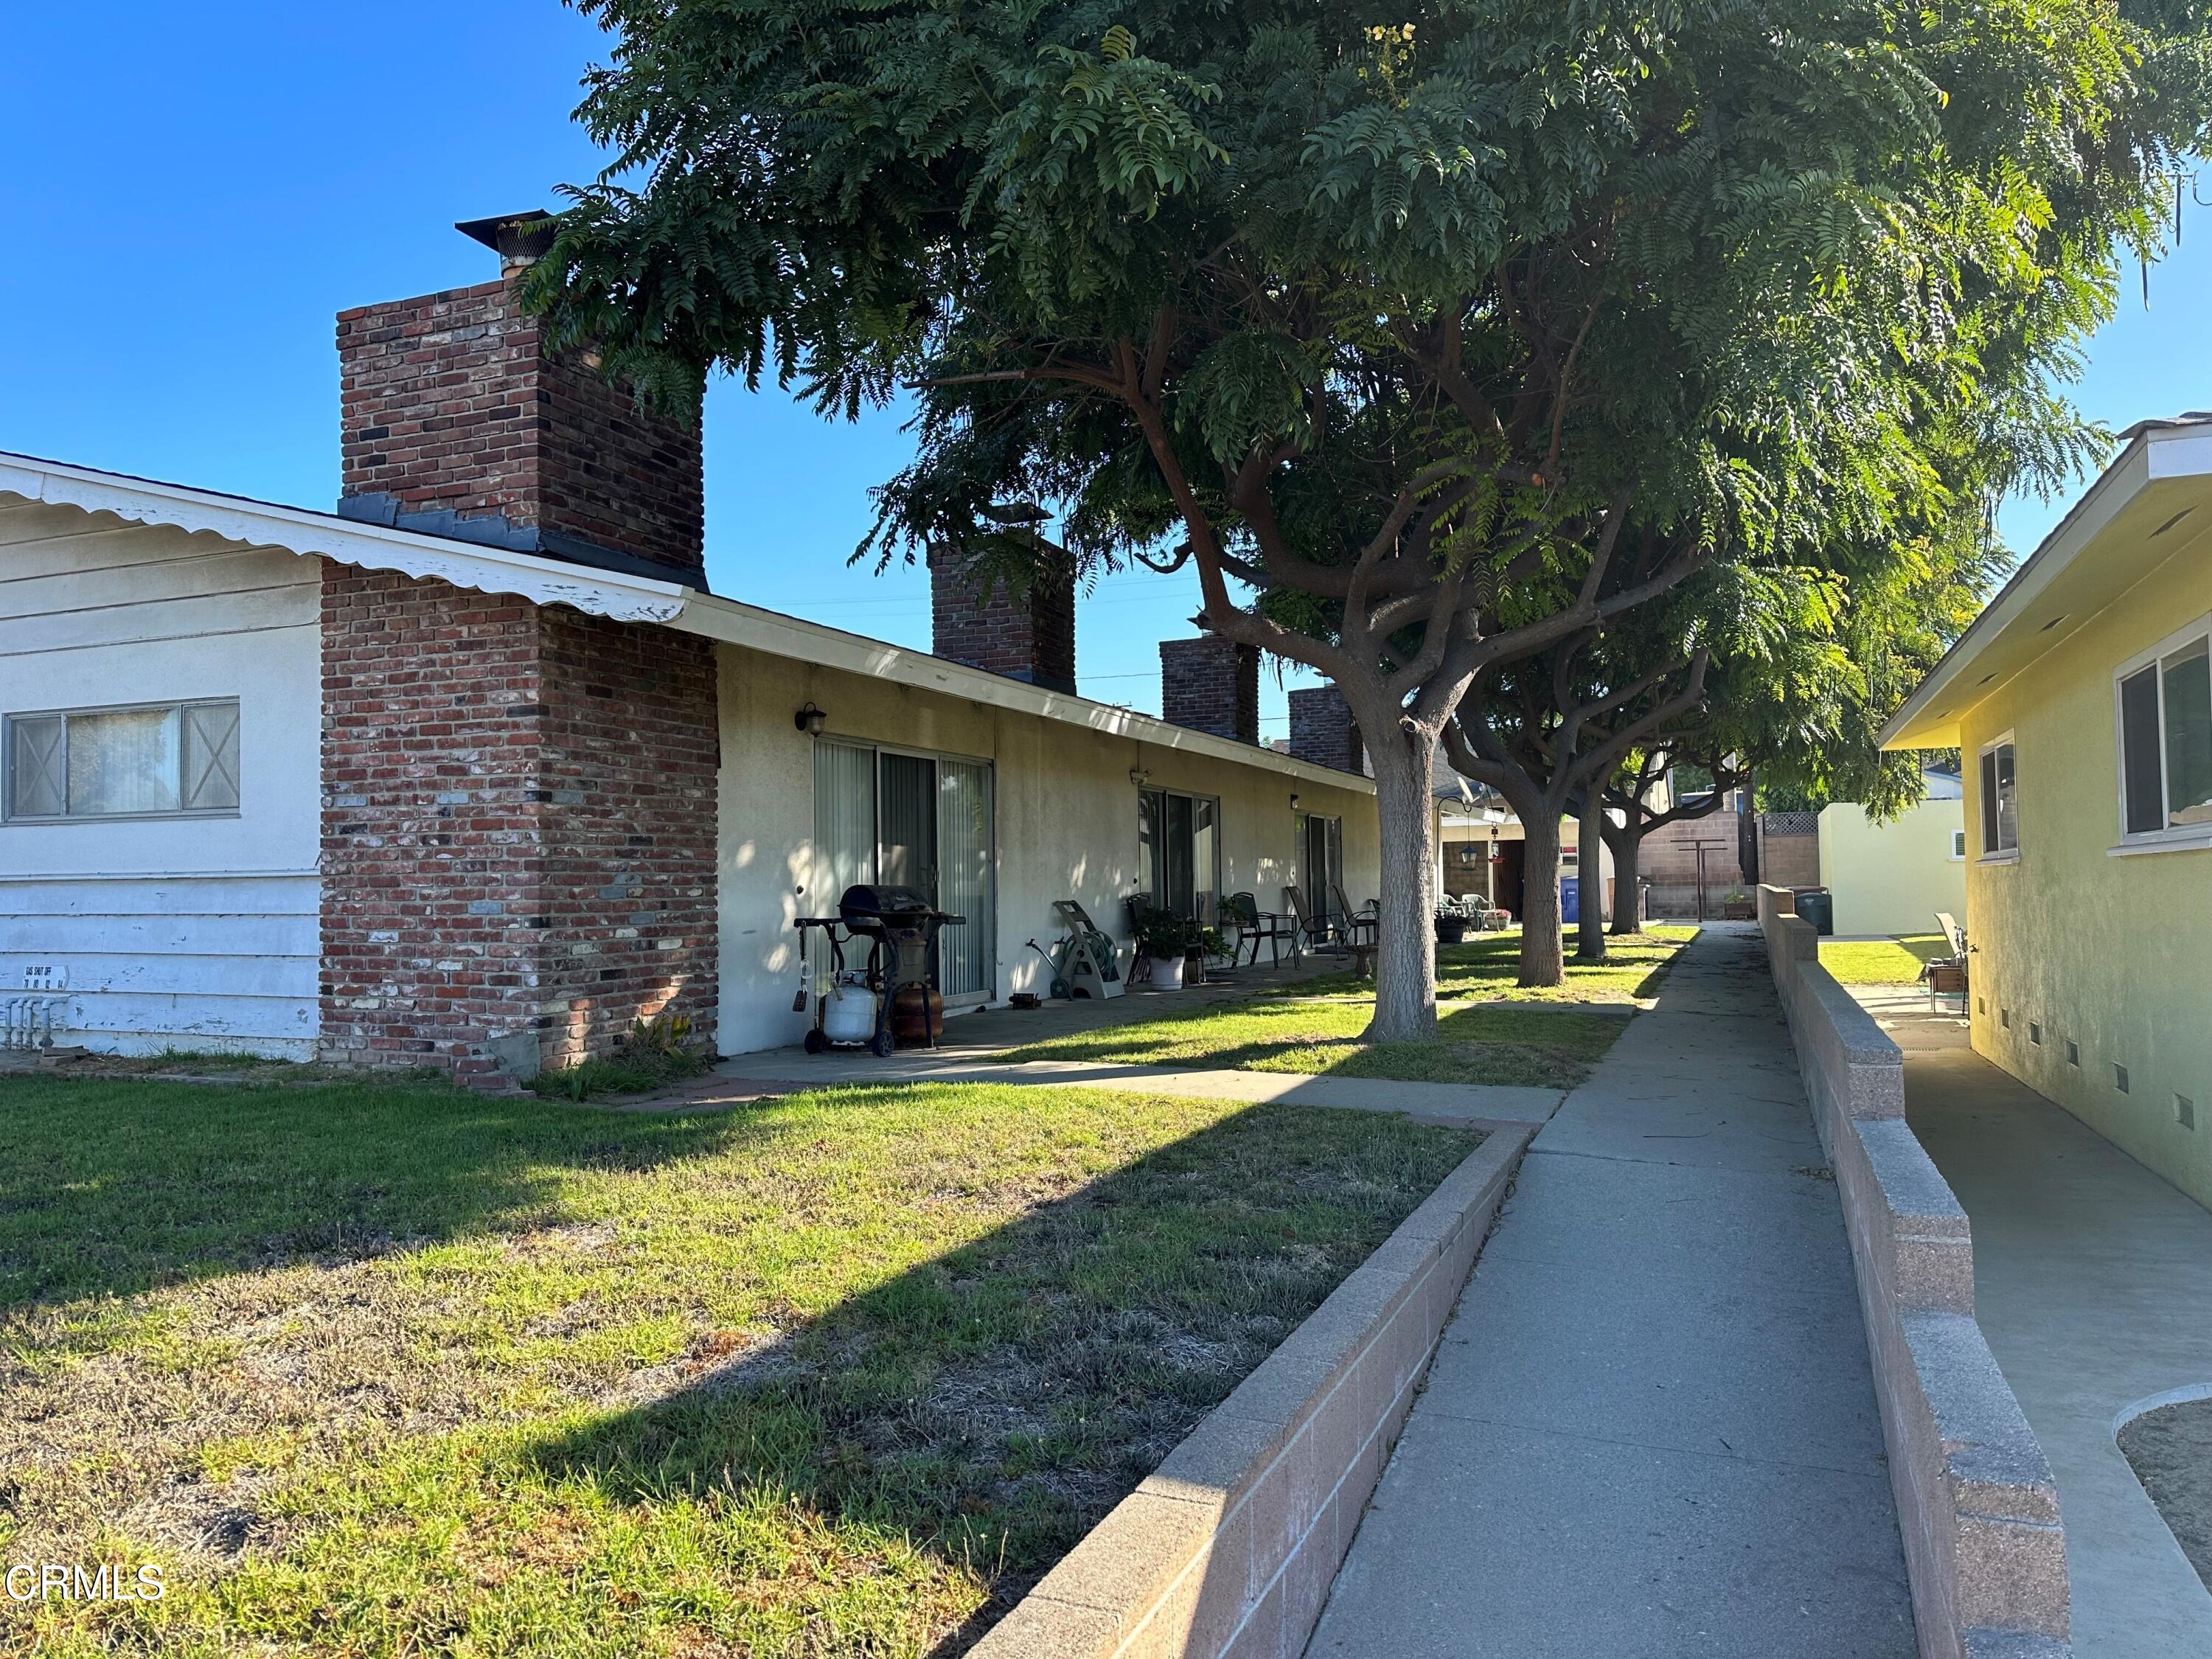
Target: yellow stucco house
2080	700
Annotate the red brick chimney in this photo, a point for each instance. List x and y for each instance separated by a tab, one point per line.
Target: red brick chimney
1323	730
457	420
1026	636
1211	685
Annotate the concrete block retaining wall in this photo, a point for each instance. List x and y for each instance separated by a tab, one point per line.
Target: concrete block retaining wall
1975	1498
1228	1550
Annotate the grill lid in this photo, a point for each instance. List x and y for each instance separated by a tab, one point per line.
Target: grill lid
875	900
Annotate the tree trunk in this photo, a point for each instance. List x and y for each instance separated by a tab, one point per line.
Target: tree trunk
1405	934
1627	852
1542	963
1590	879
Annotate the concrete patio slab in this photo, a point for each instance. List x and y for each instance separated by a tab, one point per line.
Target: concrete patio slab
1652	1428
2093	1282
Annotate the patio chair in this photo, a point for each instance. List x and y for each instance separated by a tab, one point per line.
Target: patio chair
1241	911
1306	933
1363	926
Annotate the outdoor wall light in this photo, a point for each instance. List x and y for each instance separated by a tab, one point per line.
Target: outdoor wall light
1139	776
810	720
1294	803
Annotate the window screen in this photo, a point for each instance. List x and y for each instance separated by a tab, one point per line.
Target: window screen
124	762
2187	677
2139	750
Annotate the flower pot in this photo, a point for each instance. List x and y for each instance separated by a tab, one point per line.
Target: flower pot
1450	930
1167	973
1739	910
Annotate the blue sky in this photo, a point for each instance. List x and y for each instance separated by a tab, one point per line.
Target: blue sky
195	191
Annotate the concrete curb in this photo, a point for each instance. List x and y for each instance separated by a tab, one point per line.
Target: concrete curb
1228	1549
1976	1501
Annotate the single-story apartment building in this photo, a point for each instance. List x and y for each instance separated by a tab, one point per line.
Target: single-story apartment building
1895	878
476	771
2081	702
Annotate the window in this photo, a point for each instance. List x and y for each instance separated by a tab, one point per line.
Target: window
2164	700
1178	852
2000	801
163	760
1958	845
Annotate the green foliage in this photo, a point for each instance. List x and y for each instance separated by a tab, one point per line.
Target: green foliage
1446	335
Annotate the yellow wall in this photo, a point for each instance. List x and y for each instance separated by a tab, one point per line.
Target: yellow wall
1892	877
2113	954
1066	819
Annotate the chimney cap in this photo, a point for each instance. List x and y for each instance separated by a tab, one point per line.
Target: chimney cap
517	238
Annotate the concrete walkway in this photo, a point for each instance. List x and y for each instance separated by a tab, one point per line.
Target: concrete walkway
1651	1429
2093	1281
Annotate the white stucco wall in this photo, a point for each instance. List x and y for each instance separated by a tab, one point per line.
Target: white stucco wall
193	932
1067	821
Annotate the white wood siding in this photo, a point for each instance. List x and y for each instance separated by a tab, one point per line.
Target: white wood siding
197	933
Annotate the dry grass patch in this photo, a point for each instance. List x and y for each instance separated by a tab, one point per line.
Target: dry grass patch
376	1369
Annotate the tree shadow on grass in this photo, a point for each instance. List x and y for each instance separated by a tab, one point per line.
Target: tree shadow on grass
989	1407
112	1188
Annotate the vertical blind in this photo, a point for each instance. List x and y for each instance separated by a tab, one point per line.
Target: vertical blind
964	884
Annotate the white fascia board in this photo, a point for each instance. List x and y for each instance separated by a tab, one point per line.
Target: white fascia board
776	634
2102	501
324	535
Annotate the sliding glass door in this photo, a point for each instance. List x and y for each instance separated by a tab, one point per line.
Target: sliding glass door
1179	853
911	820
1321	863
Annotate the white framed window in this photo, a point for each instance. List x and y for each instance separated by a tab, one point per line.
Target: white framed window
2162	710
1958	847
2000	801
135	761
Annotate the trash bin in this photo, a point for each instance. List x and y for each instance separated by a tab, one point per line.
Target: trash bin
1818	905
1570	904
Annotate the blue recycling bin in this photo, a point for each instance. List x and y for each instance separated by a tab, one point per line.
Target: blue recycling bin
1571	899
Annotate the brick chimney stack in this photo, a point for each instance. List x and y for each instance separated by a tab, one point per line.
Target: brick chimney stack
1025	636
457	420
1323	730
1211	685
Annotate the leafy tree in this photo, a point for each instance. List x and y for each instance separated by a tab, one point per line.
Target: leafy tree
1432	338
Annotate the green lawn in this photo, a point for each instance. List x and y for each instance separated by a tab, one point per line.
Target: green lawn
1881	960
1318	1029
375	1370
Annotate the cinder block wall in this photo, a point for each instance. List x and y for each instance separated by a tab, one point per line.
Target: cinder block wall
518	836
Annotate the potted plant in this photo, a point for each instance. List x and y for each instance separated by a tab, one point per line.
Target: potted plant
1165	938
1451	921
1736	905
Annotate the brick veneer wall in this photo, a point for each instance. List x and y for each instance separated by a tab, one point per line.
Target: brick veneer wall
1668	860
1026	636
1322	730
518	826
1211	685
457	420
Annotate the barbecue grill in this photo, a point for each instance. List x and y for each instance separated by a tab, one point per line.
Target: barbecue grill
901	927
